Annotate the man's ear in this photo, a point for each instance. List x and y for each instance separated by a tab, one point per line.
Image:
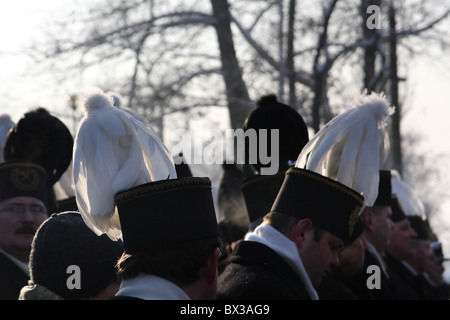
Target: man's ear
303	226
210	269
367	217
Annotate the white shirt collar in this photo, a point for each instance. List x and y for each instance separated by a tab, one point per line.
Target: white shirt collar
150	287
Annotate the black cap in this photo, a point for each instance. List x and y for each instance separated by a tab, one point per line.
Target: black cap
268	114
384	189
64	240
329	204
398	214
260	192
22	179
420	226
167	212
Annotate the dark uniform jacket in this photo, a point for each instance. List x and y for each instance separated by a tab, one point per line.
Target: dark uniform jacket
407	285
437	292
12	279
255	271
387	290
337	285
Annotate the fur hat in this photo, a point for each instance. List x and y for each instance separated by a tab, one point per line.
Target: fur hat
64	240
41	138
268	114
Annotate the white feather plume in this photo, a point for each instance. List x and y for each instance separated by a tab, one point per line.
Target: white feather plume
113	152
352	147
411	204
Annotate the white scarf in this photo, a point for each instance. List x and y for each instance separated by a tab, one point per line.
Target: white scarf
150	287
269	236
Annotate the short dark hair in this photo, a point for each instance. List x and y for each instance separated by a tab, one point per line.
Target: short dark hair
285	224
179	263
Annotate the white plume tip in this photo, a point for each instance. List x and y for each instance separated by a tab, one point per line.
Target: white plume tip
377	105
98	100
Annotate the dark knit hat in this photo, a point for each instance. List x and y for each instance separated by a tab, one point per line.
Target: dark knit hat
329	204
166	212
21	179
398	214
268	114
384	189
64	240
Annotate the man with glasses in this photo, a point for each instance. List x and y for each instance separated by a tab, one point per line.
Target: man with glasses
23	197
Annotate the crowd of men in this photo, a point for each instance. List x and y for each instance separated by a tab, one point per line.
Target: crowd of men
332	224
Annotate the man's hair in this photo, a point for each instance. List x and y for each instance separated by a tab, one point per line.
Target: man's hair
286	224
375	209
178	263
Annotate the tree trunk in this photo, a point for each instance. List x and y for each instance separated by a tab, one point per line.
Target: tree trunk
238	99
321	69
396	150
370	52
290	56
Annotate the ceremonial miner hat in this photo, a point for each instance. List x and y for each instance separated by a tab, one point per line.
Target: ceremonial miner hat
384	189
22	179
64	240
398	214
352	147
329	204
260	192
167	212
420	226
268	114
407	197
340	161
127	186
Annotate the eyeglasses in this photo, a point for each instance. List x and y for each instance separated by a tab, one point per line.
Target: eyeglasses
15	209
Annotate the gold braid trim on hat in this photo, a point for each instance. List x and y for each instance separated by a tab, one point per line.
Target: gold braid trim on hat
352	220
162	186
335	185
330	182
6	165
